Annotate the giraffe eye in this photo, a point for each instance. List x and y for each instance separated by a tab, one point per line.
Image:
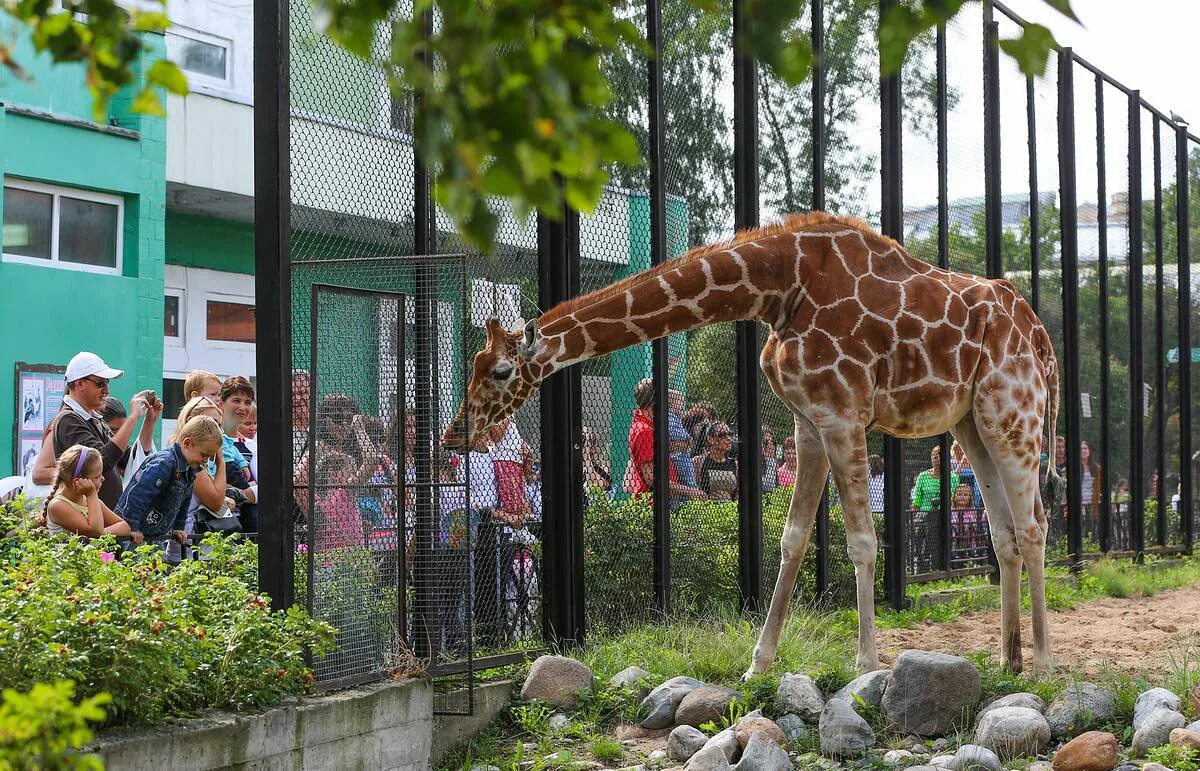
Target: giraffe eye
503	372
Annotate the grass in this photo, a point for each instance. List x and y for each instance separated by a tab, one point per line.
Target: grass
716	649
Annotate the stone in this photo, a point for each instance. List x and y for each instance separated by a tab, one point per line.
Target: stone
1184	737
800	695
793	727
661	703
1151	701
638	767
1194	726
1128	767
632	679
922	768
972	757
1040	765
727	742
749	727
921	751
684	742
657	757
1013	732
1156	730
941	761
558	721
896	757
556	680
843	732
1080	707
632	732
928	693
1090	751
708	759
629	742
1156	767
940	744
705	704
868	687
762	754
1031	700
484	768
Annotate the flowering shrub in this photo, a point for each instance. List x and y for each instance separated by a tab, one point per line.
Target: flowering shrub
160	641
45	728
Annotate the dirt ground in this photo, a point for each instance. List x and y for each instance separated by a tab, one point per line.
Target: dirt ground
1134	635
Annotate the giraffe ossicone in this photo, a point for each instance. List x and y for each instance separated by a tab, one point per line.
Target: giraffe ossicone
861	336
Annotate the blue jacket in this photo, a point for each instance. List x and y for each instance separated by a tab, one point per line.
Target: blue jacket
156	501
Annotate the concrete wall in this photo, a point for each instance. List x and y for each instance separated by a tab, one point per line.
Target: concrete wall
381	726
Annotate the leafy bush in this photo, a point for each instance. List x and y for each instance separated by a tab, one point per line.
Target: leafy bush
45	728
160	641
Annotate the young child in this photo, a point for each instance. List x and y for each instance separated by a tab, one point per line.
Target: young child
340	525
156	502
74	504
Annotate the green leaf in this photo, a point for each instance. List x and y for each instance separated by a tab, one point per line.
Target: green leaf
1031	50
1063	7
898	27
150	21
168	75
147	103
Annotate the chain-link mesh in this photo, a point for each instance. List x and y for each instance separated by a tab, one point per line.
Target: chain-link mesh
1192	360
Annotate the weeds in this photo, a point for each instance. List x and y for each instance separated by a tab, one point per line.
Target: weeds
606	750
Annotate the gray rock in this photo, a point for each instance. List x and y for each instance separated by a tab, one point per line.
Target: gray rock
705	704
684	742
1156	729
484	768
843	732
558	721
868	687
929	693
1080	707
1151	701
631	679
709	759
657	757
762	754
1128	767
638	767
941	761
1031	700
972	757
793	727
896	757
922	768
662	702
556	680
799	695
1155	767
1040	765
1013	732
921	751
1194	727
727	742
941	744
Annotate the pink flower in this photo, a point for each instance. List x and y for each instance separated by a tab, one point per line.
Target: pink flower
302	548
107	556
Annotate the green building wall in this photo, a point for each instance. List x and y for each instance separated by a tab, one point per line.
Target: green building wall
49	314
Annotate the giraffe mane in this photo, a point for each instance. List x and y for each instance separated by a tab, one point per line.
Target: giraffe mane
791	223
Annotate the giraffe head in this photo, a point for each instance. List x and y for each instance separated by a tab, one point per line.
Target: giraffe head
503	377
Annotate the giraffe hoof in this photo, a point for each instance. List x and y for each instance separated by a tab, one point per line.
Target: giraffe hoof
753	672
1043	665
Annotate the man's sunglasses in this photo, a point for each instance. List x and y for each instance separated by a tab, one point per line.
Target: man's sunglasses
99	382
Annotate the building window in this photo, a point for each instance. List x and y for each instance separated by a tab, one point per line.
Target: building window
172	323
230	322
203	56
45	224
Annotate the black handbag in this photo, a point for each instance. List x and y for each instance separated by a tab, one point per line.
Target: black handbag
208	521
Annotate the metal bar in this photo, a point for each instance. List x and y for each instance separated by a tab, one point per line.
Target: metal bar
1070	301
485	662
1137	482
401	477
994	223
273	288
892	216
943	213
1160	349
447	257
311	445
818	204
745	185
1183	231
1035	199
1105	358
658	253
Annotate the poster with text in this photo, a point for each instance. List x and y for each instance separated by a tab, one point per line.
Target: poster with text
39	396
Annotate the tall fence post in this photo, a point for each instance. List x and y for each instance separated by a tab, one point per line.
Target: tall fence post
745	161
817	10
1160	339
1183	248
941	106
1105	358
563	617
1035	199
659	348
993	215
1069	212
1137	482
273	290
892	220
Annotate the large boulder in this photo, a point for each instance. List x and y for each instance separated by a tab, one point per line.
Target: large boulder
843	731
1156	729
762	754
1013	732
661	703
684	742
556	680
793	727
1185	737
1080	707
930	693
799	695
1090	751
1148	702
749	727
972	757
708	759
869	688
705	704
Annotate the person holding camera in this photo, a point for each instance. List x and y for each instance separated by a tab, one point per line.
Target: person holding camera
80	422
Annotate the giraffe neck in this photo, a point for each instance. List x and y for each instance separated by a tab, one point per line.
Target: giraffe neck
735	283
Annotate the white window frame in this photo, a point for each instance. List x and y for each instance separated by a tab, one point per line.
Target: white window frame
180	340
57	192
237	299
199	78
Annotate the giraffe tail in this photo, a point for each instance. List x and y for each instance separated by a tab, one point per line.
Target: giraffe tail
1050	369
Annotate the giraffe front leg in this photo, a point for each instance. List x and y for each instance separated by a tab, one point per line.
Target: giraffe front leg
810	482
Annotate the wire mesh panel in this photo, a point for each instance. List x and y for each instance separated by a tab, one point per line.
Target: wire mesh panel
1150	328
1193	236
1167	278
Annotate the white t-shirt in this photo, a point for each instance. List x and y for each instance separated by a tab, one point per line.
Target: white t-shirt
509	448
1086	484
483	486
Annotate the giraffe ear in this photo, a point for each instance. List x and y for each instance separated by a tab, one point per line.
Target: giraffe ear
526	348
496	335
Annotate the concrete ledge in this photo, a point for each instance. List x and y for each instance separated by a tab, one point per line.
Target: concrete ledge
385	725
451	731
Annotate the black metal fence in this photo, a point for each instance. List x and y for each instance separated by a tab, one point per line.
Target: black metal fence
1070	186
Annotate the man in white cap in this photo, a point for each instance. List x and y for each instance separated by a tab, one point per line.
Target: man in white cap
80	423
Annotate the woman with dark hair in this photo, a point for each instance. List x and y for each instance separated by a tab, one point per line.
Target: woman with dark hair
1090	481
770	461
716	469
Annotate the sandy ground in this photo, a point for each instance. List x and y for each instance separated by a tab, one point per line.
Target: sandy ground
1134	635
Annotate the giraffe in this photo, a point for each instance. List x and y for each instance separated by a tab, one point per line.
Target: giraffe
861	336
